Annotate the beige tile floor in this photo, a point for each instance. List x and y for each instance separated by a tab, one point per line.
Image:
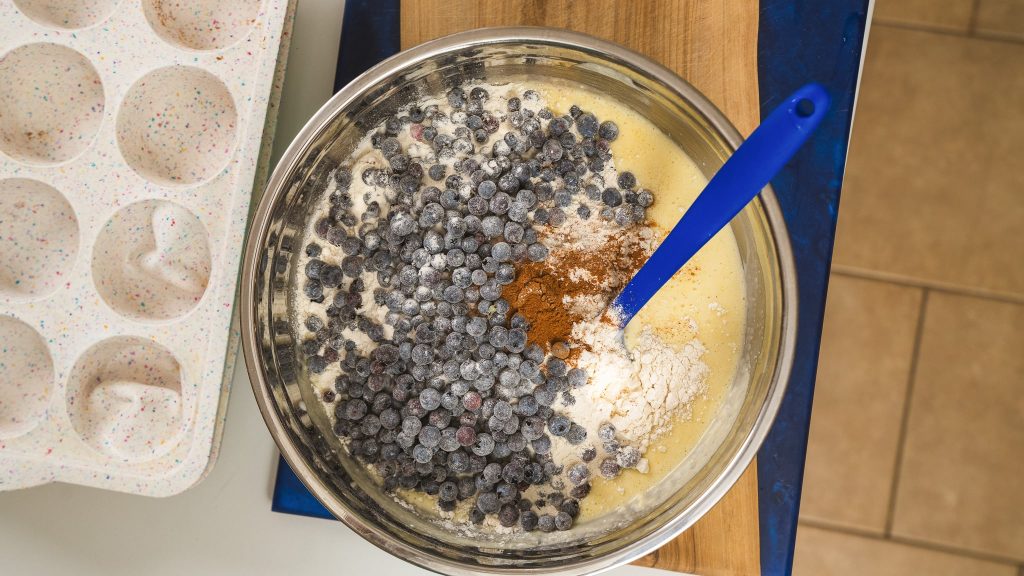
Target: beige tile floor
916	455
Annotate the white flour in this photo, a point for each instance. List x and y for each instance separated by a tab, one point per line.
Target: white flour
639	390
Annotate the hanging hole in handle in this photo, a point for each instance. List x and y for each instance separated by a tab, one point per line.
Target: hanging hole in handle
805	108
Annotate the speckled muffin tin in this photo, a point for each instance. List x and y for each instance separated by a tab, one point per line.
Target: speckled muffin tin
130	139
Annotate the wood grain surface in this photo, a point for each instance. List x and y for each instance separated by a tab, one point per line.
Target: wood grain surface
713	45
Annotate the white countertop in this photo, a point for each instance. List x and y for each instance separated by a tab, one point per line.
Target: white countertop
224	525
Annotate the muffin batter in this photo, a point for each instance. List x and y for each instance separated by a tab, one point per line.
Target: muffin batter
618	419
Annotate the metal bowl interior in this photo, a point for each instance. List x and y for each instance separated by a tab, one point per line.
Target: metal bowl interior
298	421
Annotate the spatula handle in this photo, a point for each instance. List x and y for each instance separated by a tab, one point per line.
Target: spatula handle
736	183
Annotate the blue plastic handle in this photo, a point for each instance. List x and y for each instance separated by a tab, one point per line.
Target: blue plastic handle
736	183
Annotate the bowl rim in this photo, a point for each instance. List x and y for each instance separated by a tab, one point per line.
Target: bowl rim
258	231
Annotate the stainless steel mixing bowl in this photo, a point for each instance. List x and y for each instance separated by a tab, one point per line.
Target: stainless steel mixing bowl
300	424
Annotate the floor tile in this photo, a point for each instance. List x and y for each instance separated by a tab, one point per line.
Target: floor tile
826	553
863	371
963	462
932	189
1001	18
942	14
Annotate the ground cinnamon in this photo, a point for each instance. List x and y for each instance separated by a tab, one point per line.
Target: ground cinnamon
540	288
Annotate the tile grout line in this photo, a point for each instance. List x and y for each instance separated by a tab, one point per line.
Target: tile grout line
920	28
972	22
924	545
876	276
890	515
970	35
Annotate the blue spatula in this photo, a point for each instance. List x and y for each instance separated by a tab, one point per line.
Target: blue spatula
736	183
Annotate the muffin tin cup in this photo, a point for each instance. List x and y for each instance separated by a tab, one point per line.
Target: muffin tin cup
129	146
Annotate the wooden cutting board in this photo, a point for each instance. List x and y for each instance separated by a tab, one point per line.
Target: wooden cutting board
713	45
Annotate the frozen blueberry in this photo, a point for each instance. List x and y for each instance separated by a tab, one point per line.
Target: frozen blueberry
402	225
492	226
449	491
542	445
559	425
430	436
476	516
537	252
571	507
479	94
577	377
488	502
552	150
556	367
477	326
556	217
422	454
606	432
501	251
581	492
492	473
518	212
314	323
587	125
317	364
500	203
466	436
454	294
546	523
462	277
508	516
628	457
610	468
390	419
469	370
310	347
623	216
472	401
528	520
540	215
576	435
313	268
371	423
578	473
399	162
513	472
532	427
611	197
608	130
644	198
353	409
507	493
458	461
503	410
411	425
589	454
627	181
456	98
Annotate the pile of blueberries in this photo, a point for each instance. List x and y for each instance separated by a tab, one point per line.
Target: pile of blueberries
457	402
